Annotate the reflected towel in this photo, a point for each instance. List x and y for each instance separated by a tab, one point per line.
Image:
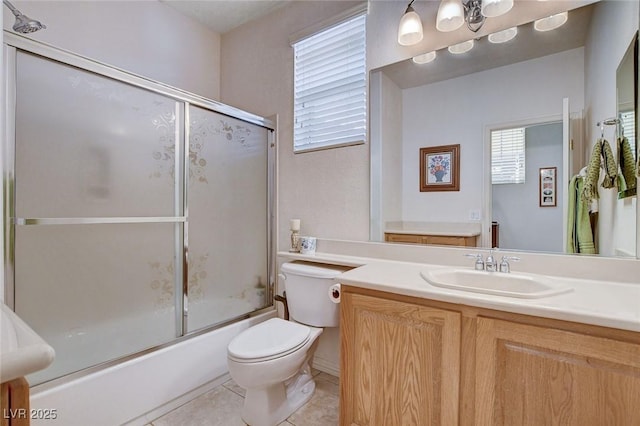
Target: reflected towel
601	150
579	229
610	166
627	176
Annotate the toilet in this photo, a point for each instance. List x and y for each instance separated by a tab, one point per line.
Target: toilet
271	360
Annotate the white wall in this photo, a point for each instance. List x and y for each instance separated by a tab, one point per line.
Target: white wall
612	28
524	225
461	110
385	125
328	190
144	37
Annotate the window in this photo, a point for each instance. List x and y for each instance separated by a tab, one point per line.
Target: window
628	121
507	156
330	103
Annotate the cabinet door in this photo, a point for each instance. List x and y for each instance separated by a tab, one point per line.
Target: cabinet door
400	363
527	375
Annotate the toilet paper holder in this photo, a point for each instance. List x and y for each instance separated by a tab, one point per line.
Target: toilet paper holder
335	293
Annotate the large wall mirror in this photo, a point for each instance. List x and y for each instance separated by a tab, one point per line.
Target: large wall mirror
526	114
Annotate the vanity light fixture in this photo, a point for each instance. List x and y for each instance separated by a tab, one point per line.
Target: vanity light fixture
453	13
410	28
425	58
461	48
551	22
503	36
450	15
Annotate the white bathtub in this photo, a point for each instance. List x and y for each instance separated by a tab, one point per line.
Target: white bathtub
139	390
93	344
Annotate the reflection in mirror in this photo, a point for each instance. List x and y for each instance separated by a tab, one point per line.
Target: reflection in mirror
514	190
625	125
556	85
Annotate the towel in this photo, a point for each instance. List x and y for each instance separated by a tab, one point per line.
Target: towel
610	166
627	175
579	229
601	150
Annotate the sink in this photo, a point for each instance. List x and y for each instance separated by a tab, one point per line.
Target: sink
528	286
22	350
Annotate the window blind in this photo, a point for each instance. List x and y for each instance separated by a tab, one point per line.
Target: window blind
330	87
507	156
628	121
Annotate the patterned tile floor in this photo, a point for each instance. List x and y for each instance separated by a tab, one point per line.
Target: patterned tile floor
222	405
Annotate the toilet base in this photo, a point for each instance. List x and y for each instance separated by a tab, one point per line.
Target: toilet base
280	400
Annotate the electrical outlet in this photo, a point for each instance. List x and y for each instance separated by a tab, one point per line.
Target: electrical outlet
474	214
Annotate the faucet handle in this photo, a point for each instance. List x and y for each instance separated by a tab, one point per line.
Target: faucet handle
504	264
479	265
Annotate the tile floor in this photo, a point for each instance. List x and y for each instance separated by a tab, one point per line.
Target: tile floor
222	406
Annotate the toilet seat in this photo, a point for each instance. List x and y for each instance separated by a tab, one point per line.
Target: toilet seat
271	339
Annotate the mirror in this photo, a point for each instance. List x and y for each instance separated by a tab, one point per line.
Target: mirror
561	81
627	99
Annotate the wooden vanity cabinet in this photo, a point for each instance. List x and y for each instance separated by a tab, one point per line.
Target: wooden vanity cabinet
14	403
400	363
440	240
413	361
528	375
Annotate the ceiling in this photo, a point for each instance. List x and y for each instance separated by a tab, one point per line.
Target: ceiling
224	15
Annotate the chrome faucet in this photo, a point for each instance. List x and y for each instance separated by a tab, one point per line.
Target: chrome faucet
504	264
490	264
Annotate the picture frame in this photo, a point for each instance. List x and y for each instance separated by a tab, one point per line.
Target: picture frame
548	188
440	168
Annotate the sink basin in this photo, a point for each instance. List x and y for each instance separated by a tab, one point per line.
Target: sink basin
528	286
22	350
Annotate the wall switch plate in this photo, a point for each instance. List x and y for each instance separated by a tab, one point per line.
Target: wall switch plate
474	214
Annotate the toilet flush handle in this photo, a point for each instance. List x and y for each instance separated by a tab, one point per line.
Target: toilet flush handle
283	298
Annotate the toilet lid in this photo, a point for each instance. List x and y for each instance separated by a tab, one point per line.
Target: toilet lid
268	339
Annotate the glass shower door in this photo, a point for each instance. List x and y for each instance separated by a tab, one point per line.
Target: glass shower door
227	229
98	214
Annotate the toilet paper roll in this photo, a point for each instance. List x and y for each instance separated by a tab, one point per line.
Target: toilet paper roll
334	293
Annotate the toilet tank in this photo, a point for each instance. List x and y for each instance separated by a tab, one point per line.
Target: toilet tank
307	286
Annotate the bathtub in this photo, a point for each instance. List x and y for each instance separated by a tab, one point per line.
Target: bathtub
137	391
92	344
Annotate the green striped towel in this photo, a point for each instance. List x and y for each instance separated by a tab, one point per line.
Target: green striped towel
601	150
627	176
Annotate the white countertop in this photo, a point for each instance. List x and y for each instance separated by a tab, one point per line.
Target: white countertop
602	303
22	351
449	229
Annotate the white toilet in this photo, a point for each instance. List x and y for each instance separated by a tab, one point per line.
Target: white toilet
271	360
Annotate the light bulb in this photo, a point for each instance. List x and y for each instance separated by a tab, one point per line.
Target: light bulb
410	29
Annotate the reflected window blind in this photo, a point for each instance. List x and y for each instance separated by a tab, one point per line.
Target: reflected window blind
629	125
507	156
330	87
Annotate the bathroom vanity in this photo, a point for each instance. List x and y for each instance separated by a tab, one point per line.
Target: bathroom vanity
433	233
412	353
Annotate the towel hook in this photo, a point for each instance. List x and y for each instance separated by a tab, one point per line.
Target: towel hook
607	122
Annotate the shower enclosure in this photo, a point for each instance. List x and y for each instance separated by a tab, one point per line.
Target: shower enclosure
135	213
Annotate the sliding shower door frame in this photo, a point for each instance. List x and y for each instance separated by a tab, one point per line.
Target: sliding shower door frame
14	43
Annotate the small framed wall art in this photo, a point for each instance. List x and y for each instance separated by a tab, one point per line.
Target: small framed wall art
440	168
548	188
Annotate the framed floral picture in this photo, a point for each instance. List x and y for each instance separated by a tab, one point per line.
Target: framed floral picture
548	187
440	168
